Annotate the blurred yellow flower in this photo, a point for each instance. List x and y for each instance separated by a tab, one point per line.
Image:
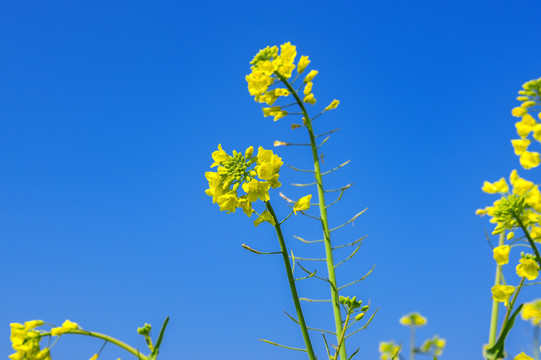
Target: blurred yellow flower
499	186
522	356
520	145
528	268
413	319
529	160
502	293
332	105
303	63
66	327
501	254
532	312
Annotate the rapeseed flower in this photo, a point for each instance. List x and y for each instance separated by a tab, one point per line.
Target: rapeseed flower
255	175
522	356
302	204
532	312
389	350
67	326
436	345
413	319
25	341
528	268
501	293
501	254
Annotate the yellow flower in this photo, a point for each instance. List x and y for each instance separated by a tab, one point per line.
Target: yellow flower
265	216
257	190
528	268
413	319
228	202
302	204
499	186
537	130
219	156
94	357
529	160
525	125
533	198
275	111
245	205
522	356
268	166
310	99
520	185
532	311
311	75
258	83
501	254
67	326
308	88
518	111
303	63
535	233
501	293
520	145
332	105
389	350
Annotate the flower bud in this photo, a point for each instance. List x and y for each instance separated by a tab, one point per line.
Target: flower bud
359	316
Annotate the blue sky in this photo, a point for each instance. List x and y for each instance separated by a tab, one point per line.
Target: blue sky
109	112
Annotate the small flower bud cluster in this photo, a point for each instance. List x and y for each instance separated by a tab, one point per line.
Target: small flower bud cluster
413	319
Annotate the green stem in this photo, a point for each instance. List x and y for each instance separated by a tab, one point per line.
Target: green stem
536	342
324	222
530	240
512	304
495	304
412	342
292	286
341	341
107	338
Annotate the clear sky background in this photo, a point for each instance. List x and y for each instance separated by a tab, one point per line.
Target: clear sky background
109	112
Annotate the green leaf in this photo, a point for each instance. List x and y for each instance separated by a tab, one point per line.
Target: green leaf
497	351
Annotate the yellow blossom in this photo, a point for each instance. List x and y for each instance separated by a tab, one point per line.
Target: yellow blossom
265	216
535	233
308	88
389	350
302	204
311	75
501	293
303	63
257	190
537	131
525	125
499	186
94	357
310	99
413	319
332	105
528	268
501	254
532	312
520	185
518	111
67	326
529	160
520	145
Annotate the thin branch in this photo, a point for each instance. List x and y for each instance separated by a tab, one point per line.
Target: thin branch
309	328
339	197
315	300
303	185
336	168
301	170
323	142
351	243
356	281
326	346
307	259
340	189
259	252
349	257
307	277
315	276
327	133
310	216
283	346
307	241
365	325
349	221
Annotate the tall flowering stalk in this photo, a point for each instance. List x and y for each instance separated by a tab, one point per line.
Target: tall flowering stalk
270	80
518	210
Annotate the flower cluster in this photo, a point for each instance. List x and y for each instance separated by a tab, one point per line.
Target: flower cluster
255	175
389	350
25	339
530	98
413	319
271	64
434	345
523	202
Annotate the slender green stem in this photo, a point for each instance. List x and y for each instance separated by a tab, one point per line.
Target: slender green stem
107	338
324	222
530	240
512	304
341	341
412	342
495	304
292	286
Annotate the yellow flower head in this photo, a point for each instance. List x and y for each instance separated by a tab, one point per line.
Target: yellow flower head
264	217
520	145
310	99
501	254
389	350
240	171
529	160
499	186
311	75
302	204
518	111
525	126
67	326
303	63
332	105
501	293
520	185
413	319
532	312
528	268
